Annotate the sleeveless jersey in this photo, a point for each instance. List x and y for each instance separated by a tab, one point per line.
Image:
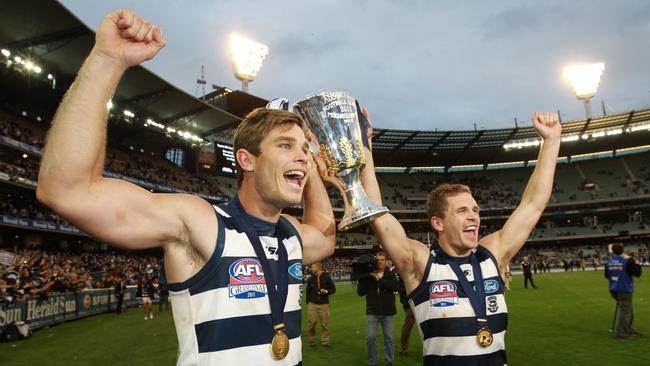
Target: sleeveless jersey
222	314
446	321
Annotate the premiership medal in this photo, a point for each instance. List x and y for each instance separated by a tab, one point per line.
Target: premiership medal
280	344
484	337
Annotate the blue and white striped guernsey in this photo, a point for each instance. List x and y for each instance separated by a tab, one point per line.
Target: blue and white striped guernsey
446	321
222	314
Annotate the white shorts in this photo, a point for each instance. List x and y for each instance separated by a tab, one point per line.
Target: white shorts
146	300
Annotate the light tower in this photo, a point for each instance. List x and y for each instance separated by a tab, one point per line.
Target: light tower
585	79
247	57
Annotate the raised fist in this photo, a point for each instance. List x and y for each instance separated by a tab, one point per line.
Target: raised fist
547	125
128	39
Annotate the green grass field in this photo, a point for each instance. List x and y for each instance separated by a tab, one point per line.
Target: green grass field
565	322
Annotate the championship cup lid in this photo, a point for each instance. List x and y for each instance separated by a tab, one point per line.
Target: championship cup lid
278	103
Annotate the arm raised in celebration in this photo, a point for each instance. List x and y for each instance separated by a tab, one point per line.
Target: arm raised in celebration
505	243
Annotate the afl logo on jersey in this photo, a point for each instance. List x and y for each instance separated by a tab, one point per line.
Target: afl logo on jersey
246	279
295	270
443	293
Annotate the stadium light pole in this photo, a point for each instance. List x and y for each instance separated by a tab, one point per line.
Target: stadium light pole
247	57
585	79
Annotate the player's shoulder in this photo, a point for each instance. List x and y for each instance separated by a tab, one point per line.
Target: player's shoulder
292	220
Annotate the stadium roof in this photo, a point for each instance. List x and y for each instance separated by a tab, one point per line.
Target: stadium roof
46	33
446	148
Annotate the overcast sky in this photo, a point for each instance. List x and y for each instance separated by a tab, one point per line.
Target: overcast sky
416	64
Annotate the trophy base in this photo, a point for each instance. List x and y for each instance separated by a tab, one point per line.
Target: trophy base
361	217
359	209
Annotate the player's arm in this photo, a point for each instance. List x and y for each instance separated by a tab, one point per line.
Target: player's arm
70	178
399	247
505	243
318	228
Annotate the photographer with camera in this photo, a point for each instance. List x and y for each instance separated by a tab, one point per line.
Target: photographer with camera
379	286
619	271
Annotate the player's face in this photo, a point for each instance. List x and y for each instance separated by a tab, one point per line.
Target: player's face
461	222
282	167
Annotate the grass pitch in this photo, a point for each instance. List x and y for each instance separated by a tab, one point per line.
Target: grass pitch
565	321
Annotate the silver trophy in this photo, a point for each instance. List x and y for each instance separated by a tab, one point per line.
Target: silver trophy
332	117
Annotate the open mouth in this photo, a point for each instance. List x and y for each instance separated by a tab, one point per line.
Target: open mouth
471	229
295	178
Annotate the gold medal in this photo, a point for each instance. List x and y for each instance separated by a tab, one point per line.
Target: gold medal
484	337
280	345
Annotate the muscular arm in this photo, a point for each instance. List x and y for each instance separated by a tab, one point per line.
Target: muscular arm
505	243
70	177
318	229
402	250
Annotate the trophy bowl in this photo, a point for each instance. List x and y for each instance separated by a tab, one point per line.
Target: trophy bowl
332	118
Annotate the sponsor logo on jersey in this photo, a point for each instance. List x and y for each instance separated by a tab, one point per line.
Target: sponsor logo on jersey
492	304
491	286
246	279
443	293
295	270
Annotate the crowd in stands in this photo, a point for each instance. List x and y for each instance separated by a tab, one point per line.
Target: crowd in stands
158	171
10	127
20	168
131	164
37	273
339	267
486	190
23	207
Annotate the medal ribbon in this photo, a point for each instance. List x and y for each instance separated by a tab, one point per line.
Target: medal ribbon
277	294
476	295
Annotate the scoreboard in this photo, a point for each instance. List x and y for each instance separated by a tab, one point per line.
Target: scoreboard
224	158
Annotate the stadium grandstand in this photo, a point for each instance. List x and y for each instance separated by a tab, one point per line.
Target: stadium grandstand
166	140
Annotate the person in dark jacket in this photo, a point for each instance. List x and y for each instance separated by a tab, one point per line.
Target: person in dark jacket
380	287
528	274
319	288
119	293
619	271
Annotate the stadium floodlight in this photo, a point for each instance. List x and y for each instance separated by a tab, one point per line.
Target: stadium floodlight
6	52
37	69
585	79
247	57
